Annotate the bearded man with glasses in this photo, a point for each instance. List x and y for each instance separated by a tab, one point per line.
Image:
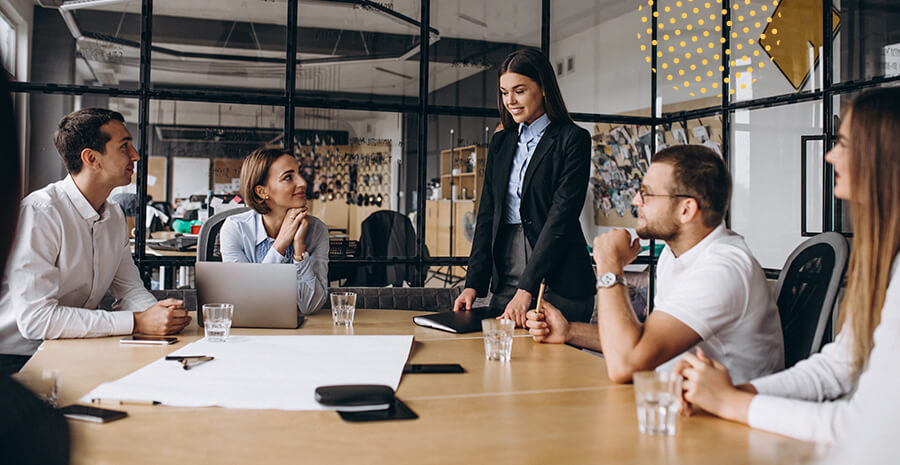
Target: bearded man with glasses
710	291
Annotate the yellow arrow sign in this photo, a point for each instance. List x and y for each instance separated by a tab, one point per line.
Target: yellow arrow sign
796	26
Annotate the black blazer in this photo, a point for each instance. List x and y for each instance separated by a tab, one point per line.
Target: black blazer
553	193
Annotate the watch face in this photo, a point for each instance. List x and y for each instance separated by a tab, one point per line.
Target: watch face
607	279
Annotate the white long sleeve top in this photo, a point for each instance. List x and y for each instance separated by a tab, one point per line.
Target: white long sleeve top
819	399
66	257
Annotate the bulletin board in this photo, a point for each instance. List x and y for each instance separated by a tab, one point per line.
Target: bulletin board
227	176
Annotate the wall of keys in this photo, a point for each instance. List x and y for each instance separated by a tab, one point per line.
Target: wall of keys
356	174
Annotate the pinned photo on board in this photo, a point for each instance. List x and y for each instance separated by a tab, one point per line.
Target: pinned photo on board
679	135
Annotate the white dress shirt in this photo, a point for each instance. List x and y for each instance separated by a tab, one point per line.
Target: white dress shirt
65	259
243	239
819	399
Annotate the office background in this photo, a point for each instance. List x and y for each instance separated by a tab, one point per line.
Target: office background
202	83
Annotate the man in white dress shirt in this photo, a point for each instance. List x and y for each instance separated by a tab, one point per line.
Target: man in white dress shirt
72	248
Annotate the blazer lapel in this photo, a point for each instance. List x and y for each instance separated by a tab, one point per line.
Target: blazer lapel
502	170
541	151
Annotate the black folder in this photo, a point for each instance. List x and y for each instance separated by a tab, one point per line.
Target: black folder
458	322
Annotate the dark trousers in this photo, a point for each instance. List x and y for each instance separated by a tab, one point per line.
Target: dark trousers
512	252
10	364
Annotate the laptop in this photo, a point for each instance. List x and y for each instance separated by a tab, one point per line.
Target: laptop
458	322
263	295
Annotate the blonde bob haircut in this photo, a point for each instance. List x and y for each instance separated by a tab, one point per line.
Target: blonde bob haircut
254	172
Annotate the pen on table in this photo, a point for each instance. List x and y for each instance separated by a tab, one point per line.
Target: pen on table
187	364
127	402
540	300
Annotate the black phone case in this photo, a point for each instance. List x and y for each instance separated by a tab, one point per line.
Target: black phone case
432	368
102	415
397	411
351	395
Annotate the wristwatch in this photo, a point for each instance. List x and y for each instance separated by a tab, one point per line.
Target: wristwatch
609	279
302	256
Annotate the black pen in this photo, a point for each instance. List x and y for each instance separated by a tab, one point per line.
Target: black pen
179	358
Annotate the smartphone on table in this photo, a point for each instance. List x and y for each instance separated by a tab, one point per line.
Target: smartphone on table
92	414
151	340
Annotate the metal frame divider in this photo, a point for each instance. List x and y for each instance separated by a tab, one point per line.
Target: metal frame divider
421	109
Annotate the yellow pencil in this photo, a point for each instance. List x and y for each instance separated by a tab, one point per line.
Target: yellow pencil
540	298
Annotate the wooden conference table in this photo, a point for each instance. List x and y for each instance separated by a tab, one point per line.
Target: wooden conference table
550	404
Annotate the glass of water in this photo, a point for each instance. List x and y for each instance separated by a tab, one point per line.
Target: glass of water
217	321
658	397
498	339
343	306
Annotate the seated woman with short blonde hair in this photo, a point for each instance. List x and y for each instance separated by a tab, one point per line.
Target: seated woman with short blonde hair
279	228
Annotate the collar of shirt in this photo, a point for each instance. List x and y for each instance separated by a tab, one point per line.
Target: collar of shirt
534	130
82	206
690	256
261	235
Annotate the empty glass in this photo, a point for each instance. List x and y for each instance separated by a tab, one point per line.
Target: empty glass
343	306
498	338
657	395
217	321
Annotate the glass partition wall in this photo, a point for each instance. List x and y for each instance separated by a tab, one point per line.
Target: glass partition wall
390	106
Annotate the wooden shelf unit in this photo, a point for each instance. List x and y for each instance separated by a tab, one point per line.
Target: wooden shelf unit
445	218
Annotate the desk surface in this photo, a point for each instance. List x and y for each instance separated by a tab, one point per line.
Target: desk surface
549	404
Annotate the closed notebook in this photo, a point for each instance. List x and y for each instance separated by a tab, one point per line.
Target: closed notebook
457	322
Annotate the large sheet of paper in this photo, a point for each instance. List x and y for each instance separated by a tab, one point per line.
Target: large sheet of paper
264	372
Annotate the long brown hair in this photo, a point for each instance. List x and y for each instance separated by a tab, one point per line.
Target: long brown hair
533	64
874	173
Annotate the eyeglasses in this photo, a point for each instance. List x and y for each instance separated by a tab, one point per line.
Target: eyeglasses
643	193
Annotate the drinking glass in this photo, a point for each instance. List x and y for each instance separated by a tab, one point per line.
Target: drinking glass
657	395
343	306
498	338
217	321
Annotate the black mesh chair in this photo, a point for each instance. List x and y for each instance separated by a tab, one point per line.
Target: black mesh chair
806	291
208	242
424	299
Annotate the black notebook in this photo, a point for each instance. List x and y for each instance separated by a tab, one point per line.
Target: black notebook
457	322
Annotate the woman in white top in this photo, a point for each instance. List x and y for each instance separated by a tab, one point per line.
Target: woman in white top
279	228
828	395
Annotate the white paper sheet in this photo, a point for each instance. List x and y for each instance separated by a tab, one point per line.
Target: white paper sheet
264	372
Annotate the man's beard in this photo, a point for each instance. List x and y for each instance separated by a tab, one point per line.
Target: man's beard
663	230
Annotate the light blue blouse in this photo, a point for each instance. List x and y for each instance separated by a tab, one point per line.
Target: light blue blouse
243	239
529	136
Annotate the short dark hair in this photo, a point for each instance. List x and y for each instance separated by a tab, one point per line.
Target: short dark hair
699	172
254	172
80	130
533	64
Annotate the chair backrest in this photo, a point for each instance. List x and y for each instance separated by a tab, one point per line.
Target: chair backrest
806	291
208	242
425	299
385	234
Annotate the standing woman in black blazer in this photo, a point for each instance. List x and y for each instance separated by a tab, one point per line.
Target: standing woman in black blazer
527	230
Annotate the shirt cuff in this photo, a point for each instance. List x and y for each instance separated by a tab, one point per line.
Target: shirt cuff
123	322
304	268
272	256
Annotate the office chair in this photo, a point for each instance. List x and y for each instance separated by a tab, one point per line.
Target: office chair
208	242
806	291
385	234
425	299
